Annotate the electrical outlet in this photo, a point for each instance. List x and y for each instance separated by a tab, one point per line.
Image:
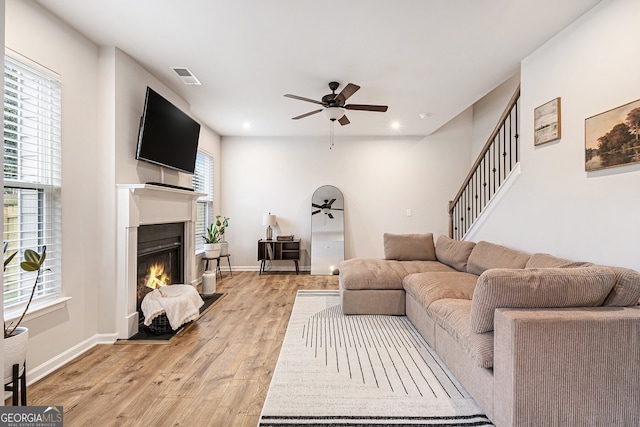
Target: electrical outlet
409	213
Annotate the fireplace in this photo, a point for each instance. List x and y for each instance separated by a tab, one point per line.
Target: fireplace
160	259
142	207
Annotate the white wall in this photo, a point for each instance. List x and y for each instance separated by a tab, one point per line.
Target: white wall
39	36
103	93
379	177
130	81
2	26
124	86
555	206
487	111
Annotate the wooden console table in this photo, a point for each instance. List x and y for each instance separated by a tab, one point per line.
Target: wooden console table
274	250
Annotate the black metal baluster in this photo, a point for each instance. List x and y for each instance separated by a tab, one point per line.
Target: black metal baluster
515	107
489	171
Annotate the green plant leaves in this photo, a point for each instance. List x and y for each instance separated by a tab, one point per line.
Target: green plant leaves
216	230
32	260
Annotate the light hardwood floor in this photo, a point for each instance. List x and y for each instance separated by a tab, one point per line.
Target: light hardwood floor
215	374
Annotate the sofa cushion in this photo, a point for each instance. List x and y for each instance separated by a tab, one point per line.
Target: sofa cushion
427	288
409	247
547	261
626	289
369	273
454	253
453	316
537	288
487	255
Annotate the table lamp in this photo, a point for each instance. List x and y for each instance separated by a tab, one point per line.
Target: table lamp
269	220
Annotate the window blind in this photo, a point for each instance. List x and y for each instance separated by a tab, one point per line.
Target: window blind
32	178
203	183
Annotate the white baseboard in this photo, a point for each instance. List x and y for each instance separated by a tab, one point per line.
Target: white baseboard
37	373
257	268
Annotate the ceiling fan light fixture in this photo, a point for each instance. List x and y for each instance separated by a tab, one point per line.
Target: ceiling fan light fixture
333	113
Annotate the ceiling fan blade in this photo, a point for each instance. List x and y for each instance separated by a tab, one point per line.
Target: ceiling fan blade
301	98
316	206
380	108
306	114
329	215
343	120
331	202
315	212
348	90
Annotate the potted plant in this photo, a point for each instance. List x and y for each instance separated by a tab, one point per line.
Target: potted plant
15	336
224	245
215	234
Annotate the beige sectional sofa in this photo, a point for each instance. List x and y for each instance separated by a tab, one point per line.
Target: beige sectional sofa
537	340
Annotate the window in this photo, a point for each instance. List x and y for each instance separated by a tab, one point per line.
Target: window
203	183
32	178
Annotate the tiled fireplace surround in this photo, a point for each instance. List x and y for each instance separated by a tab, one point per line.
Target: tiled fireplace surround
141	204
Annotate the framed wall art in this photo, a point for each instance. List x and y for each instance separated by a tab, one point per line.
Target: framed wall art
612	138
546	122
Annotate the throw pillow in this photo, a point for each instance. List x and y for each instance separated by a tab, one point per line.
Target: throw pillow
626	289
409	247
487	255
546	260
537	288
453	253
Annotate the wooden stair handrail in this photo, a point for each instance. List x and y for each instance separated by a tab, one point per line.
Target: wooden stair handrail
490	142
486	147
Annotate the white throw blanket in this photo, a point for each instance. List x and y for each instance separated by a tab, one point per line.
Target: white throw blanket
181	303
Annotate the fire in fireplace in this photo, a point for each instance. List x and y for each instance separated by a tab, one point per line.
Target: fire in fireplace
156	277
160	258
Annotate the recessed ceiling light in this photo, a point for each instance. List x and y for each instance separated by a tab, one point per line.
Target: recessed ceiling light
423	115
246	125
395	125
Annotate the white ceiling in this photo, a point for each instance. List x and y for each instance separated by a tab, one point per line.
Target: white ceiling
416	56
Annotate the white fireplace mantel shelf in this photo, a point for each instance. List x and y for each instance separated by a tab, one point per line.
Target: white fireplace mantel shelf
143	204
151	189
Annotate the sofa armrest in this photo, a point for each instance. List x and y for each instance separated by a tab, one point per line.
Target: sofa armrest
567	366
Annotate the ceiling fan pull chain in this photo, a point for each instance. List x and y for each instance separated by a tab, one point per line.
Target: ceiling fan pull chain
331	134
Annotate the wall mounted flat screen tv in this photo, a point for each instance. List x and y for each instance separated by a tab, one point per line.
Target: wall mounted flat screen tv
167	136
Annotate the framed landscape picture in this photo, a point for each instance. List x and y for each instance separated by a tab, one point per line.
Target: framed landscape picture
546	122
612	137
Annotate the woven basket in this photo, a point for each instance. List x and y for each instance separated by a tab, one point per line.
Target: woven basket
160	325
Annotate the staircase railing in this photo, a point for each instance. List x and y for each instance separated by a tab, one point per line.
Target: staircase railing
496	160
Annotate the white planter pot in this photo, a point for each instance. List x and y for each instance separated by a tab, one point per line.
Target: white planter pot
224	248
211	250
15	351
209	283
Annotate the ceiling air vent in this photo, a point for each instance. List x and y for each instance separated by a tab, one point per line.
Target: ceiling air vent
186	75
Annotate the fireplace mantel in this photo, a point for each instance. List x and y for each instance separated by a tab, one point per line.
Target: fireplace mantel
142	204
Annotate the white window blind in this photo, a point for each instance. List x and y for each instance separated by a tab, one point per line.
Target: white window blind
32	178
203	183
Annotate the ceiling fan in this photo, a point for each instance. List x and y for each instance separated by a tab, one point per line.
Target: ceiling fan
334	104
326	206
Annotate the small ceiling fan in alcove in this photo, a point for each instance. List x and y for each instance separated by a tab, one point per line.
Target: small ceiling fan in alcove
325	208
334	105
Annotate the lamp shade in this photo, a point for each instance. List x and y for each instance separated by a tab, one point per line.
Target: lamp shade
333	113
269	219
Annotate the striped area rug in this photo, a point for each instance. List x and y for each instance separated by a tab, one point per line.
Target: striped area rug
361	371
